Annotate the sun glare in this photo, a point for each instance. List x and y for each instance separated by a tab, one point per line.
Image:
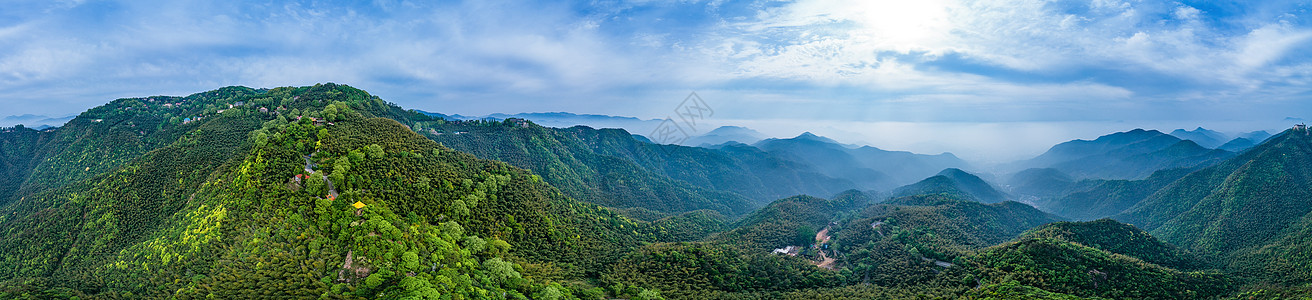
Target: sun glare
902	25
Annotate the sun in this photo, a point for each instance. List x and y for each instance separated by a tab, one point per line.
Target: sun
903	25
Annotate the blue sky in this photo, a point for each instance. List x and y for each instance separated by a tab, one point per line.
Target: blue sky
850	68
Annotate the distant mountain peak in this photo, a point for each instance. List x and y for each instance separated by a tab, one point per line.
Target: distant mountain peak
813	137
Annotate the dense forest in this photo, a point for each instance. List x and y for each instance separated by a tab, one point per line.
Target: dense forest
326	191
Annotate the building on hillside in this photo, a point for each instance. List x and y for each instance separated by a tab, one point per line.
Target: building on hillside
518	122
1300	127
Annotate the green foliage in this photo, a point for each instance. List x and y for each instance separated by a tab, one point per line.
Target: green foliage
1065	267
684	270
212	211
139	199
1119	238
611	168
777	224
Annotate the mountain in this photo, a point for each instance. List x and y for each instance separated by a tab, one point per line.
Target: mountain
35	121
327	191
1092	199
20	151
1057	259
233	202
1206	138
725	134
564	120
1256	136
1125	155
953	181
1116	237
1037	183
868	167
611	167
917	239
1255	205
778	225
1237	145
954	222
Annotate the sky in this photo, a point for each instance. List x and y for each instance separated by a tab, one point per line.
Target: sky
987	80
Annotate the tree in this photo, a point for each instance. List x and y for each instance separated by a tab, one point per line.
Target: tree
410	261
805	236
649	295
314	184
500	270
375	151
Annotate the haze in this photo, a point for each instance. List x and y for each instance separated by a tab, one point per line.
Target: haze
986	80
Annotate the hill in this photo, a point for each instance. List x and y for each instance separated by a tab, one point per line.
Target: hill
1254	205
1092	199
1116	237
228	209
1204	137
1038	183
1237	145
1060	266
612	168
20	152
789	221
953	181
562	120
917	240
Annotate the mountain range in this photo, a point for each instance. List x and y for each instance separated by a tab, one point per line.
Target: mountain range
327	191
35	121
1132	154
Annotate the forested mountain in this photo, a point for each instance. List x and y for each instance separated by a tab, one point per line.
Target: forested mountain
1040	183
228	209
327	191
1247	210
1237	145
953	181
564	120
868	167
1120	238
1092	199
1202	136
1066	259
20	150
610	167
1133	154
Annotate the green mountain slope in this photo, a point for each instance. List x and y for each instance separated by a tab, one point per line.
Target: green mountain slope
1092	199
942	226
868	167
1061	266
20	152
1125	155
1040	183
953	181
1257	198
790	221
1119	238
612	168
228	210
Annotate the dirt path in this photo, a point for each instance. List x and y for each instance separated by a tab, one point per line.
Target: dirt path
825	261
